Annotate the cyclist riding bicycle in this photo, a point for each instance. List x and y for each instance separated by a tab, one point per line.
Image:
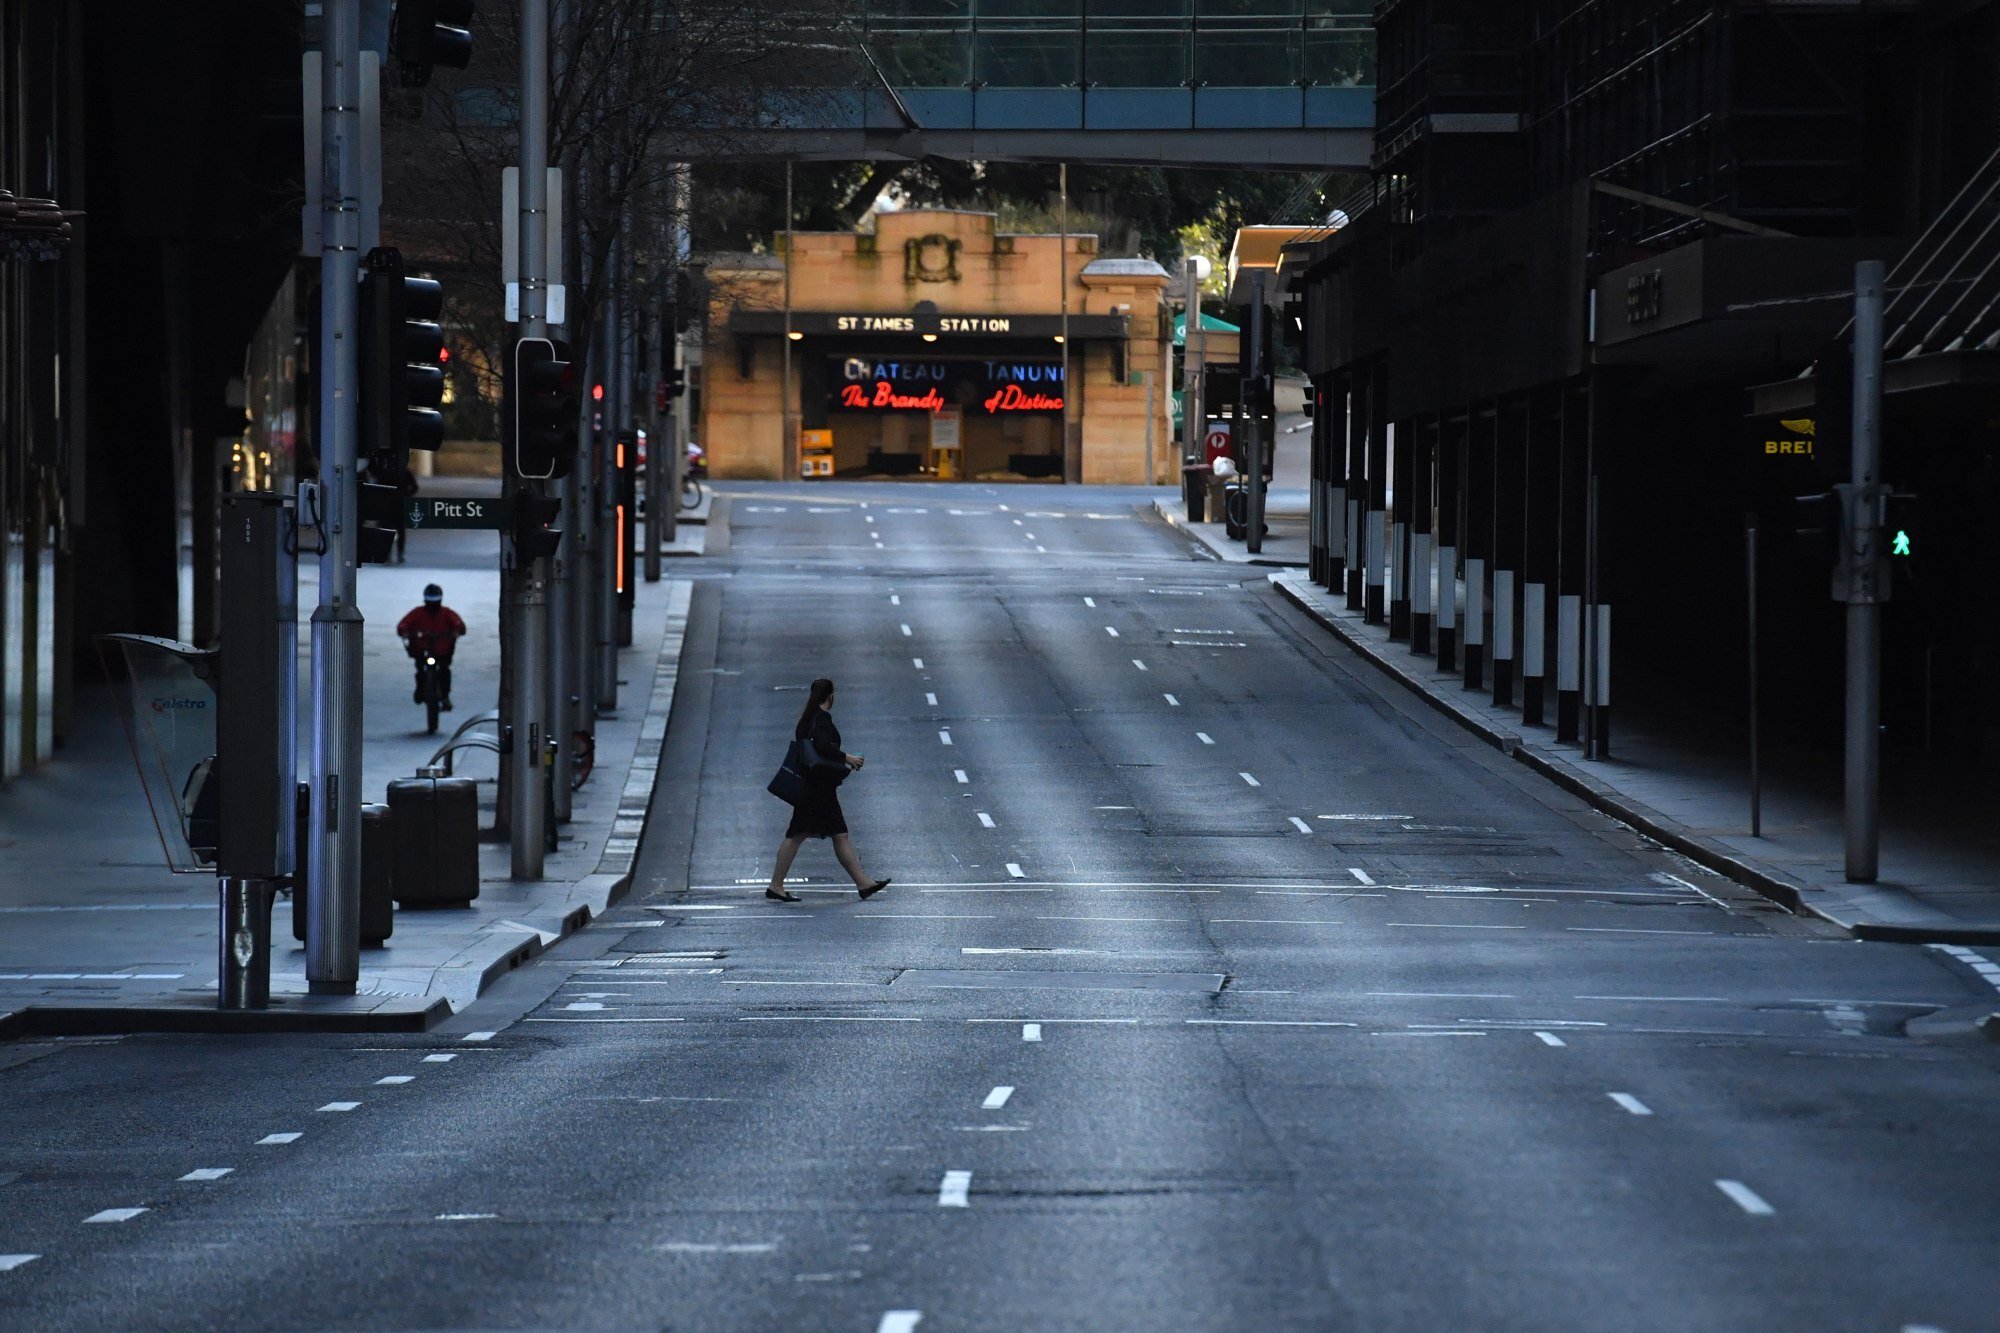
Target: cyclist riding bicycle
432	630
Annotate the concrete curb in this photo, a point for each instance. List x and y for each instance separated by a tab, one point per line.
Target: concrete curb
1774	884
288	1013
466	975
1171	512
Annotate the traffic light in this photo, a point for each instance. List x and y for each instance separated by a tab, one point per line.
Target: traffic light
380	509
402	361
541	409
1820	523
1900	526
673	382
427	33
534	539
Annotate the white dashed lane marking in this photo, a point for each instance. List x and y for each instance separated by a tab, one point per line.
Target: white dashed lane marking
1301	825
931	699
1250	779
444	1058
346	1106
1031	1032
1137	663
1628	1102
208	1173
959	774
1204	738
953	1189
1361	875
907	631
997	1098
269	1140
1014	870
479	1036
1090	602
1745	1198
900	1321
917	662
1111	630
1171	701
1551	1039
986	820
944	738
10	1262
115	1215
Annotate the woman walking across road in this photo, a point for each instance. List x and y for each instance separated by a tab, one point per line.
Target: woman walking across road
818	814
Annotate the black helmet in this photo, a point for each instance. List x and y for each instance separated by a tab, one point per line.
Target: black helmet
433	593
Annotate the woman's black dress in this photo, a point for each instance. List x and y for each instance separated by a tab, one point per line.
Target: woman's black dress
818	815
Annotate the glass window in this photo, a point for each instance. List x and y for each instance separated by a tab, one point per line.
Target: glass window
1026	59
1137	59
921	43
1247	58
1340	57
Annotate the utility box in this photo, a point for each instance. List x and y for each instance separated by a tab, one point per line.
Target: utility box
436	825
378	877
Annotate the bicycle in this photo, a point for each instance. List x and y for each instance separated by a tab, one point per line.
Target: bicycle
430	678
690	491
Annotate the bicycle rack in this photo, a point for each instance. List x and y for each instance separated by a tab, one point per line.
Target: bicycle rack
479	740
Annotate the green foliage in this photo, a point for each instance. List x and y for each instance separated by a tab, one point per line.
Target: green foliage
1152	211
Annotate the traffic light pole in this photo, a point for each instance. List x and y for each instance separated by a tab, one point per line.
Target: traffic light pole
528	631
604	571
1256	430
1866	588
333	830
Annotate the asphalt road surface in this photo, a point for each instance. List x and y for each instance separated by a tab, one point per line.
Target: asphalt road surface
1222	986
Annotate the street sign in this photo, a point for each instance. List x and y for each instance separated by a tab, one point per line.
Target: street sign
433	512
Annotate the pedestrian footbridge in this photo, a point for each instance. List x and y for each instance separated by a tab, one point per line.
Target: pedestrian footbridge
1215	83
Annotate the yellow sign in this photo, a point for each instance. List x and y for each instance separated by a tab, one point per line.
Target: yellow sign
815	453
1800	445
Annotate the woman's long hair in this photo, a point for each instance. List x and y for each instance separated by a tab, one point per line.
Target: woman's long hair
821	691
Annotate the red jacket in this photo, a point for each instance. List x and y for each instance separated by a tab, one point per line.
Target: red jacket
432	631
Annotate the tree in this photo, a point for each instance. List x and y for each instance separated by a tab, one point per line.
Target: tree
637	88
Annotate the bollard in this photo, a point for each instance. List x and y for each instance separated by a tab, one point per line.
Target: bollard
244	965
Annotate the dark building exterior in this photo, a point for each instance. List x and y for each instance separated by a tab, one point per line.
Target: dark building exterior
1595	229
169	135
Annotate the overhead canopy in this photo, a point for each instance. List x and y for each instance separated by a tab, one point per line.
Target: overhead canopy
1209	323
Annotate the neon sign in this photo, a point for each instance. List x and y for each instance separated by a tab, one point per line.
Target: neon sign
1014	398
988	387
885	397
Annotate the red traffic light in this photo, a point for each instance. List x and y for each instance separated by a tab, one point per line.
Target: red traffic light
541	409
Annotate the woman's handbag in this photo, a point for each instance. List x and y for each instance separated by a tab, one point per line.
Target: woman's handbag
789	783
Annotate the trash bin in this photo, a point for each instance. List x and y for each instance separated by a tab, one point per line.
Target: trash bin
1194	488
1234	505
436	824
378	878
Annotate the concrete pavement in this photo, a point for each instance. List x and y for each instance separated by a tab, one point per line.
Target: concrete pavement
1940	874
102	938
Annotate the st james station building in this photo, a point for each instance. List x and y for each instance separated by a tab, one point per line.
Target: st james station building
937	346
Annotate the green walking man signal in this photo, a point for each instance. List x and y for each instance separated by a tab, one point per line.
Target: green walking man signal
1900	544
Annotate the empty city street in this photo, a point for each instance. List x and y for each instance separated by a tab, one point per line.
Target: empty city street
1222	984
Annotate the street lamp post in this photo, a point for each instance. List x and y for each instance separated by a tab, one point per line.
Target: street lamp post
333	830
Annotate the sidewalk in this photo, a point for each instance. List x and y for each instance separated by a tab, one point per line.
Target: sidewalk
100	936
1285	545
1940	857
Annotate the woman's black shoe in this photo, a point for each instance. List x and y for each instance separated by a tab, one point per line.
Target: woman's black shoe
875	888
781	896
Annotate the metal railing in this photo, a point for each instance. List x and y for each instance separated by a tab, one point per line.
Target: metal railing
1106	44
